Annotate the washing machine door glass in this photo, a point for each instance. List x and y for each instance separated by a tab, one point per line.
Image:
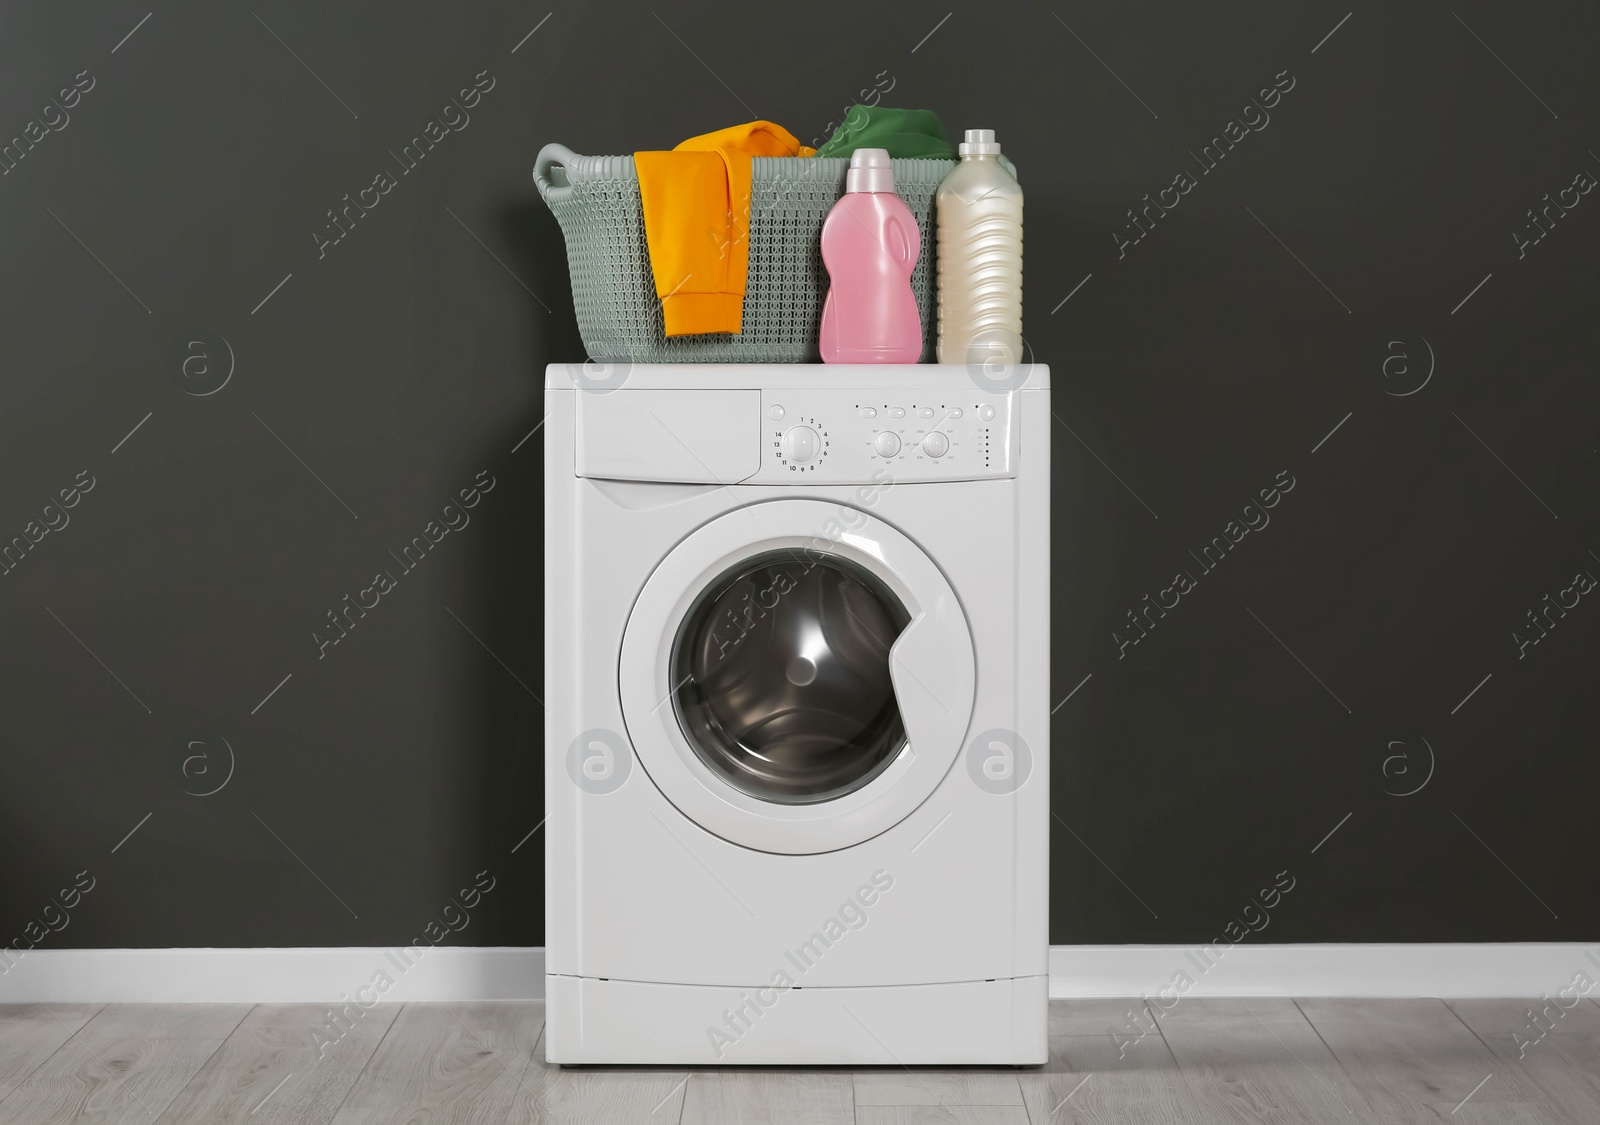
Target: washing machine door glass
796	676
782	680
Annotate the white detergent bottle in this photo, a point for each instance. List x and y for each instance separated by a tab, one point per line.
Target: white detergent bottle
979	211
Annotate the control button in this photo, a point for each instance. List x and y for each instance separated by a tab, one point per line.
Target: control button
955	412
868	412
925	412
776	413
801	444
887	444
936	444
897	412
986	412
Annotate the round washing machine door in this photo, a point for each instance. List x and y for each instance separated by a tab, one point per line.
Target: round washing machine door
797	676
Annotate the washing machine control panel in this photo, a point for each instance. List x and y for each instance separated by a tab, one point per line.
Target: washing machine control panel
831	436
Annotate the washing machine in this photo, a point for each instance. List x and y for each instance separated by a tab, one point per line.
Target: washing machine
797	731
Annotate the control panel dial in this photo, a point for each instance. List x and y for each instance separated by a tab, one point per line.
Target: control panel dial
801	447
801	444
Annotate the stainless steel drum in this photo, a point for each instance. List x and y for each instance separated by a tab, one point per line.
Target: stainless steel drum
780	676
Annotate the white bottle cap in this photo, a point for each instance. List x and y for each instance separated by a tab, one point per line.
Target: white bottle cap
869	170
979	142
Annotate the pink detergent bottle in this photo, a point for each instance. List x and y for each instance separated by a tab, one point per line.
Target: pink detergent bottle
870	244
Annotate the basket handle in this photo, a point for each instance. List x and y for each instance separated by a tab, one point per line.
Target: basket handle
550	157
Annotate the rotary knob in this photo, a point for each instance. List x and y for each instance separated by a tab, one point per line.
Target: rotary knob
936	444
801	444
886	444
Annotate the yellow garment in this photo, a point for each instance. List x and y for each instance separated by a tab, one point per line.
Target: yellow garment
696	202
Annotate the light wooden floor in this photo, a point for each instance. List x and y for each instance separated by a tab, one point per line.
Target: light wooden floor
1204	1062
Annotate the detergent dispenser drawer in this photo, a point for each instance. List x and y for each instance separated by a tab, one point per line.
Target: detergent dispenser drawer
679	436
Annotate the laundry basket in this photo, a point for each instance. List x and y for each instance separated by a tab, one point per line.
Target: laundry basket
596	201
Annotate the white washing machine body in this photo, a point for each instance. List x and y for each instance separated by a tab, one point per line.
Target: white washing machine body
797	740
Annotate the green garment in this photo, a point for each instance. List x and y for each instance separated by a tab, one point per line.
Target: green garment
904	133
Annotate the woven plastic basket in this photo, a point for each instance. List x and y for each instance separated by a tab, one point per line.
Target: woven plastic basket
596	201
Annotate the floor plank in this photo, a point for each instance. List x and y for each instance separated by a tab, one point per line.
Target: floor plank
926	1086
1416	1062
1257	1060
286	1064
777	1097
1125	1017
126	1064
1111	1077
941	1115
1557	1048
1205	1062
612	1095
449	1064
164	1021
31	1033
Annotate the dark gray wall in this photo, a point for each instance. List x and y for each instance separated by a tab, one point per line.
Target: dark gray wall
1256	330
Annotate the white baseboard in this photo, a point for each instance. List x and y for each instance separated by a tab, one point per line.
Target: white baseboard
273	976
456	973
1503	969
